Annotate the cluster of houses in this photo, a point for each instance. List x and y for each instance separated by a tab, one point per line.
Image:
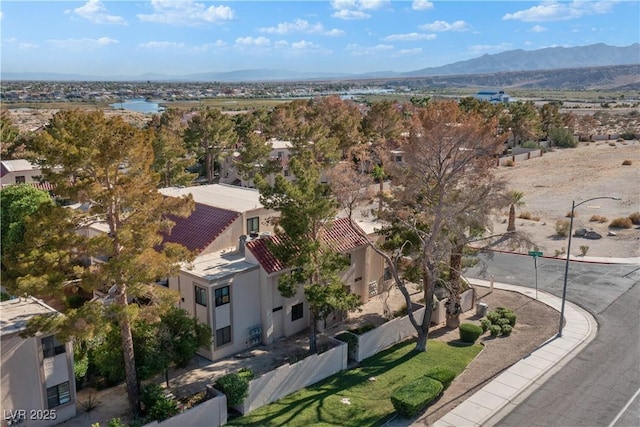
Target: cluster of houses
231	286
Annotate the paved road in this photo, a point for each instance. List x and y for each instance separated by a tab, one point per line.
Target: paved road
600	385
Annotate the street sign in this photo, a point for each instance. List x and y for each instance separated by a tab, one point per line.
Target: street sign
535	253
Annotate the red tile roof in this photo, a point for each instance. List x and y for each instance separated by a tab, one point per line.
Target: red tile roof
341	236
197	231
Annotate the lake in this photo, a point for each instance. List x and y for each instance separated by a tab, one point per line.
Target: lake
140	105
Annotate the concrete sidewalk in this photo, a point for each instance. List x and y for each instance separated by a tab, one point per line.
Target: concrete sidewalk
495	400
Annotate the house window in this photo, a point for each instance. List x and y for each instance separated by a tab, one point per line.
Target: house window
287	173
58	395
51	347
223	336
253	225
296	312
222	296
201	296
20	180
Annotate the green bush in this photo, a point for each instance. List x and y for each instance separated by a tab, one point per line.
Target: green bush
442	374
246	373
234	386
506	329
484	324
163	409
115	422
503	321
493	316
561	137
362	329
511	317
413	397
628	135
495	330
150	395
469	332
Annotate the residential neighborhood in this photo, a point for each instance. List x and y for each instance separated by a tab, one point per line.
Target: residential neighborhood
356	206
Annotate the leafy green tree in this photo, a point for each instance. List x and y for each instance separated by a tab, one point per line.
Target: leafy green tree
383	121
562	137
254	157
9	135
341	118
523	120
81	153
16	203
171	158
550	117
208	134
305	210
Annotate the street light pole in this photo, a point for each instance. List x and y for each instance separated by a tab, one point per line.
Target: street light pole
566	267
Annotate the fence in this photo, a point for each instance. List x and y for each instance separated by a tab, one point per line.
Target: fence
286	379
519	157
212	413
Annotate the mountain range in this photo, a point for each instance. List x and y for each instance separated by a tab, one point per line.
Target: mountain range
553	58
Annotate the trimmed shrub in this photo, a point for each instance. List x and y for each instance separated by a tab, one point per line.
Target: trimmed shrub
561	137
484	324
413	397
493	316
621	223
502	321
362	329
469	332
444	375
246	373
635	218
506	330
234	386
511	317
495	330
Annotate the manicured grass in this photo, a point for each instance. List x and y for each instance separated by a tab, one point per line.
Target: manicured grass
320	404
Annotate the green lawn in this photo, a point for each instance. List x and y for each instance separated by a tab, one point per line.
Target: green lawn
320	404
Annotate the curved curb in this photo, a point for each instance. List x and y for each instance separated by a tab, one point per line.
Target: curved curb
495	400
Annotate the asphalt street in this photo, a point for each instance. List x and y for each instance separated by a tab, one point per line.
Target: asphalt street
600	386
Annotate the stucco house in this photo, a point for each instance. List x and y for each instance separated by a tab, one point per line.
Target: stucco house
222	214
21	172
38	384
280	151
235	291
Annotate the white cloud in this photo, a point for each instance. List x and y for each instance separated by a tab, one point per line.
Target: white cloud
481	49
422	5
252	42
560	11
82	44
187	12
355	9
538	29
409	52
408	37
446	26
95	12
357	50
161	45
300	26
27	46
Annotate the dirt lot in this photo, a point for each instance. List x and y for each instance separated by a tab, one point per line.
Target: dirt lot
552	182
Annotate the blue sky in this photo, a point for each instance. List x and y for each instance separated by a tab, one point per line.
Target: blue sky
102	38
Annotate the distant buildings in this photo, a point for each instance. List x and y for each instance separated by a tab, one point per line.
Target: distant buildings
493	96
21	172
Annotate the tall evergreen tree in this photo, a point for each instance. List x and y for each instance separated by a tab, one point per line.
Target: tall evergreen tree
305	211
81	153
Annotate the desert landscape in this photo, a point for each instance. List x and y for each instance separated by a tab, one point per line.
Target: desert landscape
550	184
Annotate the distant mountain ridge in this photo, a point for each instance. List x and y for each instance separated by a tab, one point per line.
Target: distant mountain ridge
596	55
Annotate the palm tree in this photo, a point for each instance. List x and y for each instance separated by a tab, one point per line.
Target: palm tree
515	200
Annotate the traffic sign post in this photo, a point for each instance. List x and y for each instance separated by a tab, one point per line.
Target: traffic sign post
535	255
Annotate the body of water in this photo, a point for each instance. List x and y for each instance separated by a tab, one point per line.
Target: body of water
140	105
